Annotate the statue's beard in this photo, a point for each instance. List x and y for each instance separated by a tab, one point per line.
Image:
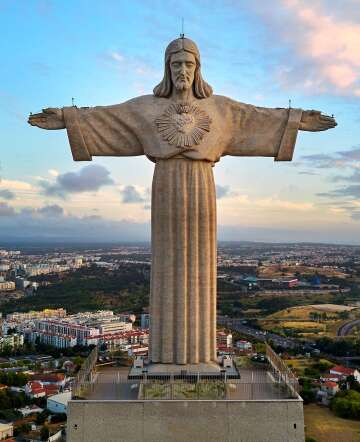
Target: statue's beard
182	85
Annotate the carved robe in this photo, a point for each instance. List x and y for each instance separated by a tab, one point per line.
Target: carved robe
184	140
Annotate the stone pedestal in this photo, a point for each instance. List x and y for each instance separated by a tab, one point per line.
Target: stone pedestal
183	421
210	370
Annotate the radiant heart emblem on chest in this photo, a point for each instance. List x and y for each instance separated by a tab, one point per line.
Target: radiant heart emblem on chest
183	125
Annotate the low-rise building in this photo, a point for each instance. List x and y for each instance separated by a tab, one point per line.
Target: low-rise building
59	402
344	372
7	286
6	430
29	410
331	388
244	346
36	389
224	339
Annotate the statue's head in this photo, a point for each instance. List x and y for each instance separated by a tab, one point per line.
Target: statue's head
182	70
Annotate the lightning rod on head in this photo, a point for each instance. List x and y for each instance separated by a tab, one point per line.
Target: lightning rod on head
182	35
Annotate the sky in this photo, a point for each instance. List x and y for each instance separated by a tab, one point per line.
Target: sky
106	52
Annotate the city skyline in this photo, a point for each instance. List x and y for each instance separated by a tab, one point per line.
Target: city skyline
120	47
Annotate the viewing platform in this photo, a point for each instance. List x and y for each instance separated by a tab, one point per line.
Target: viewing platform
112	383
261	403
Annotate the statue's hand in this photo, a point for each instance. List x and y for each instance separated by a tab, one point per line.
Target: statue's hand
315	121
51	118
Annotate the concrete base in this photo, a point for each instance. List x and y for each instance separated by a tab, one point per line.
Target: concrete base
210	370
182	421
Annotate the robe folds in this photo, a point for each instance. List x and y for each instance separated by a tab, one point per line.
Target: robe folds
183	218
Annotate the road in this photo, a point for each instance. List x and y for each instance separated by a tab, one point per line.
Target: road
237	324
345	329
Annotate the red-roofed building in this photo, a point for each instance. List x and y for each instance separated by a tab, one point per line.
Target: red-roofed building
331	378
330	387
344	372
51	389
223	338
223	349
35	389
58	379
244	346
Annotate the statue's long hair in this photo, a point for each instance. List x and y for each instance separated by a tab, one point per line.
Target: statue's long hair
200	87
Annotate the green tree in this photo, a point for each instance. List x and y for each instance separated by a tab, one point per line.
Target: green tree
44	433
24	428
346	404
308	395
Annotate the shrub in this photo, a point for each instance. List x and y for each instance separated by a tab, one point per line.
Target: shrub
346	404
307	395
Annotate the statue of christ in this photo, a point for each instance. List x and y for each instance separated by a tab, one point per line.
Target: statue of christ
184	129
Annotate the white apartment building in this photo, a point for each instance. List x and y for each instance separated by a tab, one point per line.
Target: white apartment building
54	339
79	329
120	340
13	341
107	327
46	313
64	328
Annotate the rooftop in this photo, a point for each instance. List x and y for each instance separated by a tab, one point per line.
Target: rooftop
111	383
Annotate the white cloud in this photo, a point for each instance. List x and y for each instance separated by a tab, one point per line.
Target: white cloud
323	44
276	203
14	184
136	65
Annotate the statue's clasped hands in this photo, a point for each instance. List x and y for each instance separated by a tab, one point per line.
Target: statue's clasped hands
51	118
314	121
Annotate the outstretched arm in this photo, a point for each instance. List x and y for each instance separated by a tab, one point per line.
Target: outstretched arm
97	131
260	131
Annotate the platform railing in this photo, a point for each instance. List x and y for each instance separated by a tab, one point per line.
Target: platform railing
121	388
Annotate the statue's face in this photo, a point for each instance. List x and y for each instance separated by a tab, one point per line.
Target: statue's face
182	67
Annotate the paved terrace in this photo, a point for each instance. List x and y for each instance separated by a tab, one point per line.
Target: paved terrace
111	383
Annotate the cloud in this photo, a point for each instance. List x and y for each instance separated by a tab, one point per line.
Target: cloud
88	179
134	65
308	172
7	194
52	223
276	203
323	44
14	184
39	225
130	195
347	191
6	210
338	160
135	194
354	178
51	210
53	172
222	191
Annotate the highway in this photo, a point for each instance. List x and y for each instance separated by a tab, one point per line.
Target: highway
237	324
345	329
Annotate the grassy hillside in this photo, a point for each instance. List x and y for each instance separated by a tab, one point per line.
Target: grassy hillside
322	425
